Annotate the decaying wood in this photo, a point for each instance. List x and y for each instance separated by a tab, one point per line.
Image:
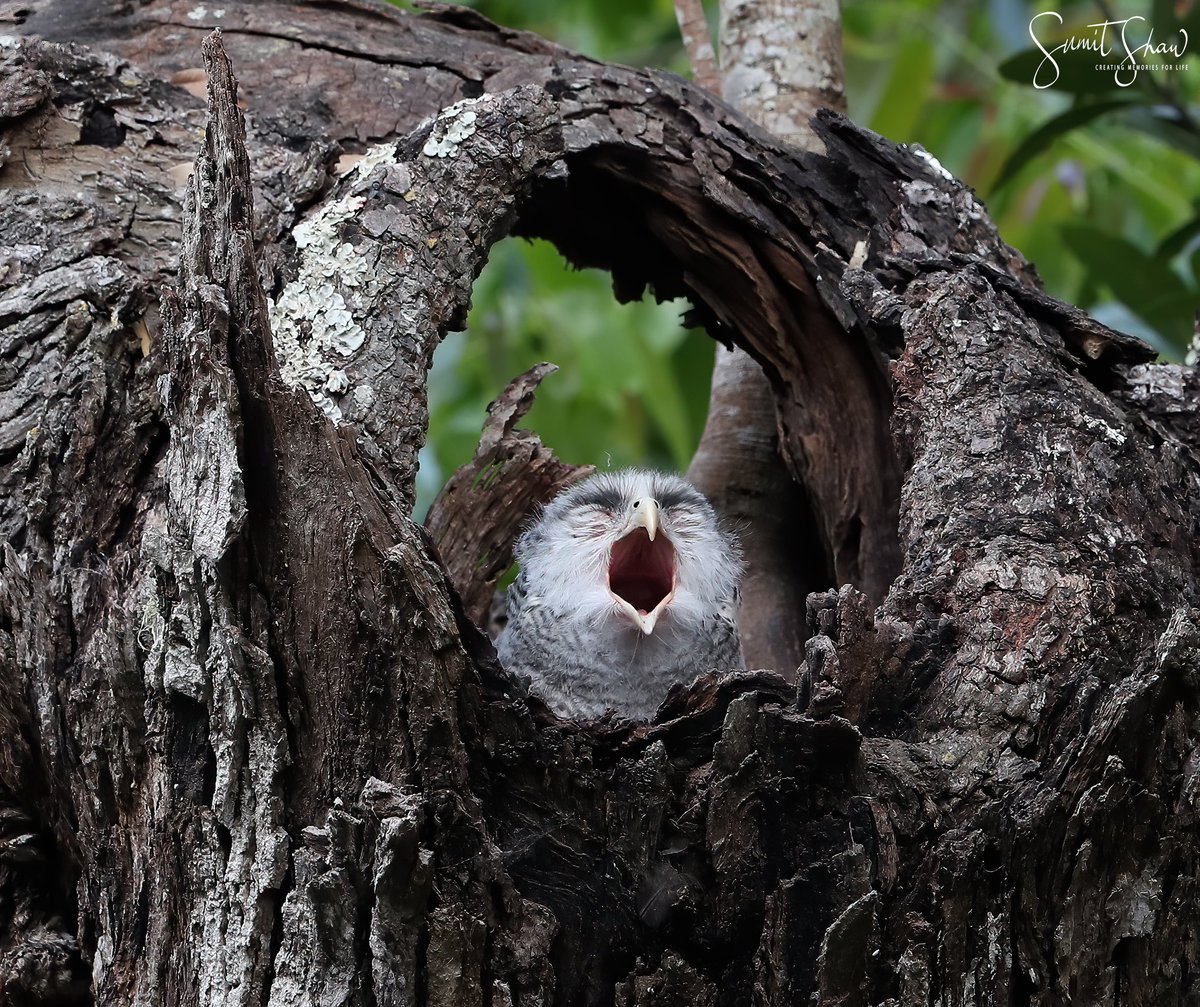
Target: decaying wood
476	517
245	714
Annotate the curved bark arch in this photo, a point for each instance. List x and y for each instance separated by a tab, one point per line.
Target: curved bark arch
692	214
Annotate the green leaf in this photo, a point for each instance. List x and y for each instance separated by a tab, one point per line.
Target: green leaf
1143	283
899	109
1164	123
1042	137
1076	71
664	403
1178	240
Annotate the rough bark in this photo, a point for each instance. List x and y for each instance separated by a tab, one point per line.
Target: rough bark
245	715
480	511
781	60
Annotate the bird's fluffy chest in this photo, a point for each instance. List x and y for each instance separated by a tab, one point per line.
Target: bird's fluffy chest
583	667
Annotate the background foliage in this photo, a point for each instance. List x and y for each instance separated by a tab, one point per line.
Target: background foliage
1097	184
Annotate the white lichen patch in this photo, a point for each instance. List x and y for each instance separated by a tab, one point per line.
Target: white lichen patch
932	161
451	127
381	153
364	397
313	329
1106	430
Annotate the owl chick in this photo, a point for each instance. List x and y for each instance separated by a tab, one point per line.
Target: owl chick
627	586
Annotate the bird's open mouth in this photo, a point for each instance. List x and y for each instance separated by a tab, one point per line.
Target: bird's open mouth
641	576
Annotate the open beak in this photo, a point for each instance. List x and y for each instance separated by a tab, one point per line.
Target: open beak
641	570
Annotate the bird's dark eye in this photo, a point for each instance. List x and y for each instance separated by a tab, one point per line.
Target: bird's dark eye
637	503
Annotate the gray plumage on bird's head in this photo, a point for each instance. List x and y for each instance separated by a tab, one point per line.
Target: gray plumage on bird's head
628	584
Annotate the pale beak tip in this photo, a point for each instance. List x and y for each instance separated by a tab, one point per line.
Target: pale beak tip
648	519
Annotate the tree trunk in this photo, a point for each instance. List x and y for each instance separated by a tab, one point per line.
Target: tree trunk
780	62
255	751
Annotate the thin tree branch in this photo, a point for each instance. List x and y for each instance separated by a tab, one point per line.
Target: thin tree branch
697	40
779	84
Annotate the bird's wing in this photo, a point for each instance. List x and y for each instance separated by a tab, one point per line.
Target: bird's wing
516	595
727	642
524	633
516	644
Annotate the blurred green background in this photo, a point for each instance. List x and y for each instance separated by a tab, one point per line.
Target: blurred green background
1098	185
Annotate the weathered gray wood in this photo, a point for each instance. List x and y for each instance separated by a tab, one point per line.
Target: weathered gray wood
483	507
263	755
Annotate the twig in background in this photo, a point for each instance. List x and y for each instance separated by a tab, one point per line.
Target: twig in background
697	40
